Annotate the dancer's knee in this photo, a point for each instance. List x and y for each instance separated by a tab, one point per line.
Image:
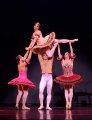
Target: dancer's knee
25	92
20	93
40	91
49	92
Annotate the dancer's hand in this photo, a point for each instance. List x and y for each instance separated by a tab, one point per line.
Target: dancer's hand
59	57
27	48
55	43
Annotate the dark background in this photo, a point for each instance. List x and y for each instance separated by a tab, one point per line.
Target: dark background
69	19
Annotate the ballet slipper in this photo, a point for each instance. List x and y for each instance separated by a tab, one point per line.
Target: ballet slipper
48	108
25	108
40	108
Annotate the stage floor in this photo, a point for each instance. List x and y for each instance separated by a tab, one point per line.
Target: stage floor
77	113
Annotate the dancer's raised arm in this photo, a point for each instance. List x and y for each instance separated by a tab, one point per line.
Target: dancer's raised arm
34	39
26	54
59	53
71	49
51	51
29	56
32	43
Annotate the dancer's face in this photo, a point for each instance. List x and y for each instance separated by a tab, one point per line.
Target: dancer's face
45	57
22	59
66	55
36	26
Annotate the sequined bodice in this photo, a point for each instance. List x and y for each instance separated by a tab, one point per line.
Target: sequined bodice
67	69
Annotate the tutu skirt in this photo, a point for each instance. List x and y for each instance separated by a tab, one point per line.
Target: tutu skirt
38	49
22	80
72	80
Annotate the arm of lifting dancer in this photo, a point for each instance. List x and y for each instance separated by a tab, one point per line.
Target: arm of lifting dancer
32	43
72	55
36	35
71	49
51	51
29	56
59	53
26	54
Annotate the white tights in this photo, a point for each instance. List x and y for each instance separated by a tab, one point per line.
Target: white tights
46	80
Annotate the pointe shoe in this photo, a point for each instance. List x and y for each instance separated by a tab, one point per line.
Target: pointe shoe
76	39
25	108
48	108
40	108
69	106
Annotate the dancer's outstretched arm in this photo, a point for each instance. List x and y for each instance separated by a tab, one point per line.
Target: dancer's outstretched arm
71	49
32	43
36	35
51	51
26	54
72	55
59	53
29	56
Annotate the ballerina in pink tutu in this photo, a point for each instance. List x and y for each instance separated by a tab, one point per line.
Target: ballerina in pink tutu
22	82
68	79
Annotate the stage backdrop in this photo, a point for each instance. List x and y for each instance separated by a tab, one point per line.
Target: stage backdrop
69	19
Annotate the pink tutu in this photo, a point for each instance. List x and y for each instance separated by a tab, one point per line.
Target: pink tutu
74	79
22	80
